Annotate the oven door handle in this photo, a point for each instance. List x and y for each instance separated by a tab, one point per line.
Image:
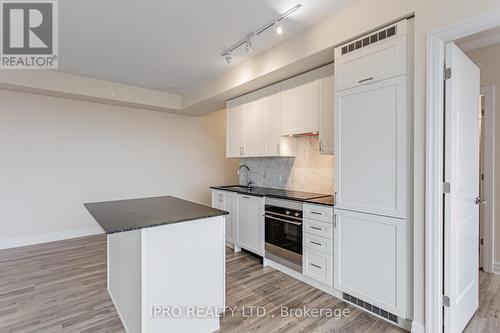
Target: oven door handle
283	215
282	220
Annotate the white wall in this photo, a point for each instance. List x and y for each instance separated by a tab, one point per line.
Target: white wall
56	154
489	58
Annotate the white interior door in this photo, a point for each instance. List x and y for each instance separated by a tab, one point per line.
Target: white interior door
461	213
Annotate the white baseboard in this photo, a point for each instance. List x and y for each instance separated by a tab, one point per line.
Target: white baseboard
10	243
417	327
496	267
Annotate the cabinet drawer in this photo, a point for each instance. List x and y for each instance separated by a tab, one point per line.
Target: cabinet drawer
318	228
371	64
322	244
318	266
319	213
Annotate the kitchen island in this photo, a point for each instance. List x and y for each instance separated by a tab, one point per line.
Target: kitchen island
166	264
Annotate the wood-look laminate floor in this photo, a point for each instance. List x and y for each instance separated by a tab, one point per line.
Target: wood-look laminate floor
61	287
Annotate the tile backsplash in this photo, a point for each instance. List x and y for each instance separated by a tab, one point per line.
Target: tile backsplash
307	171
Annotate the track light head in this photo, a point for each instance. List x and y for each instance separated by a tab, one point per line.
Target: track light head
278	28
248	46
229	58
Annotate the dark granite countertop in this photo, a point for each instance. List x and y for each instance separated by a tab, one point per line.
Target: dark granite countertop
327	201
272	192
126	215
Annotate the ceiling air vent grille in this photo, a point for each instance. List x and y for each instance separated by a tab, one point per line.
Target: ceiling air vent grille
370	39
371	308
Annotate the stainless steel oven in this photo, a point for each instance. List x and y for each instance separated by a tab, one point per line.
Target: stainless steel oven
283	232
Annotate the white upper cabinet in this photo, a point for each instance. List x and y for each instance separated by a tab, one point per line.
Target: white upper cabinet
300	104
272	114
372	62
256	122
255	119
327	115
371	148
235	127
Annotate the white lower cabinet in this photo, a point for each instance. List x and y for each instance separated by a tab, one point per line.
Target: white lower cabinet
224	200
249	213
317	240
370	259
318	266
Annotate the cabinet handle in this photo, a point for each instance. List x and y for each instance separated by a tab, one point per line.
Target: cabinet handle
316	228
245	197
317	266
315	213
316	243
366	80
321	145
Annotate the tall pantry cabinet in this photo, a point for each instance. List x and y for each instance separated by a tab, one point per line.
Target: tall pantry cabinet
373	145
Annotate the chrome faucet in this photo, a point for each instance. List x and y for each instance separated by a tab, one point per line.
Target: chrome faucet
249	181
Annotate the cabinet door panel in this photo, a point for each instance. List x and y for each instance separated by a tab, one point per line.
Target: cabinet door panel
370	259
255	139
371	64
300	102
272	113
327	116
224	200
249	217
371	148
318	266
235	127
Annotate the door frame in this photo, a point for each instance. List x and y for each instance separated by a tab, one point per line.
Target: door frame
436	41
488	128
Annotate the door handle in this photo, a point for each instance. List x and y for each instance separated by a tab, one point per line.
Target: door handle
477	201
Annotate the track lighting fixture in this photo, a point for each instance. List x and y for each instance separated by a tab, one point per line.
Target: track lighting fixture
248	41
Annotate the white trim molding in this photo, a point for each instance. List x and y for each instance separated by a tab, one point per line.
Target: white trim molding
496	267
436	41
488	188
417	327
10	243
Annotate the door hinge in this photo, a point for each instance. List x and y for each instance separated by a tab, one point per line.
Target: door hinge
446	187
447	73
446	301
482	241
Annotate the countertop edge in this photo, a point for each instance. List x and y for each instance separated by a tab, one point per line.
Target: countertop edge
223	213
309	201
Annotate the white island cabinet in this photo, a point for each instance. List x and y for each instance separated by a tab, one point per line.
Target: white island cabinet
165	261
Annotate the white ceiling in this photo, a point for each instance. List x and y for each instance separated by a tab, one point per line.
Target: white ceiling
171	45
481	39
